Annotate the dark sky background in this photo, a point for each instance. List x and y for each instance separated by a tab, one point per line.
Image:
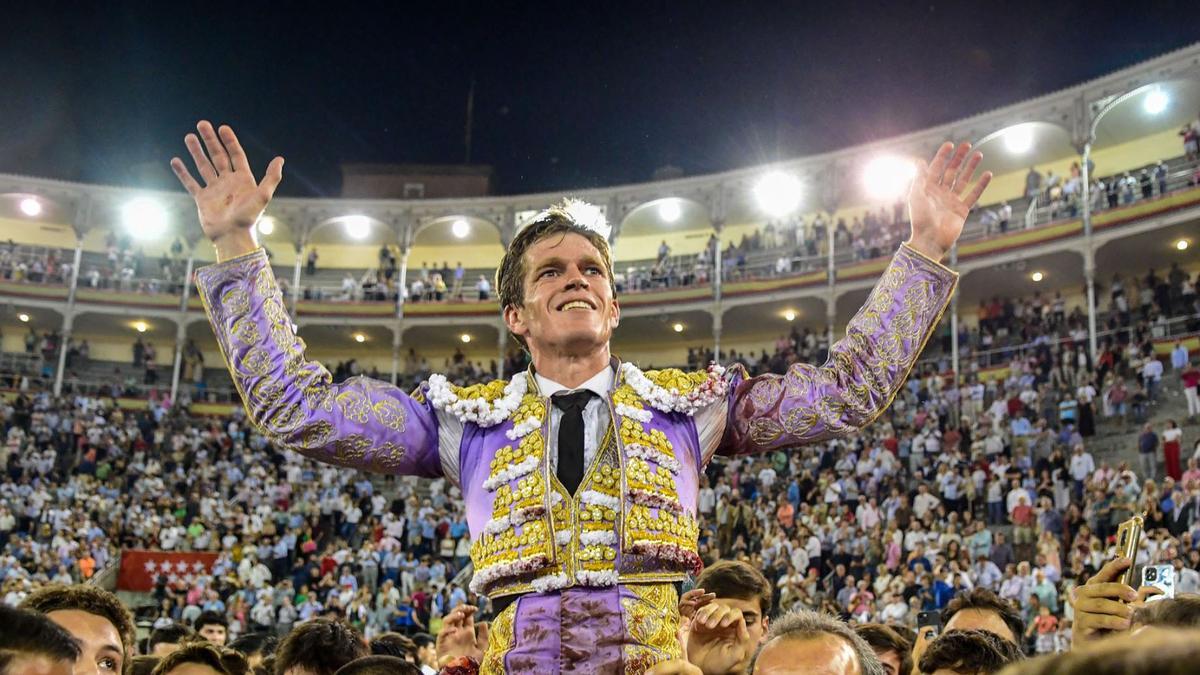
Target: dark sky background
569	95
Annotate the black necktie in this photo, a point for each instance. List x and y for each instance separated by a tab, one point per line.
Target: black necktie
570	437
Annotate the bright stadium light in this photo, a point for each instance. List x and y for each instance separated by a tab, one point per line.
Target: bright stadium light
670	210
1037	276
266	225
888	177
1181	245
357	227
678	328
789	315
140	326
465	338
144	218
460	228
24	318
1156	101
1018	140
360	338
778	193
31	207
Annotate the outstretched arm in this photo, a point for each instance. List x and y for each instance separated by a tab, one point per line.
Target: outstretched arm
868	366
362	423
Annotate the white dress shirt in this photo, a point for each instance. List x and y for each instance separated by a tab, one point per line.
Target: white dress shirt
595	415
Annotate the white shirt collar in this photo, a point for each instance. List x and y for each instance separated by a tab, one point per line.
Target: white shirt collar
600	384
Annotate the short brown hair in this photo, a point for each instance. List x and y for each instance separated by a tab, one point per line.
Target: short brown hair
737	580
510	276
1156	651
393	644
969	651
1182	611
90	599
319	646
224	661
982	599
379	665
883	638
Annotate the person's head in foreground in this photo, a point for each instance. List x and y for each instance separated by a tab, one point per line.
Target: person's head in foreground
393	644
318	647
1153	651
202	658
1182	611
741	587
893	649
167	639
255	647
555	283
95	618
379	665
213	627
978	609
968	652
804	642
32	644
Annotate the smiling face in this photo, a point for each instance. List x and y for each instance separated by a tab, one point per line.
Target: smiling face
568	304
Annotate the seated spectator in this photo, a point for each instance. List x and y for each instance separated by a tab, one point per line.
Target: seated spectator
968	652
163	641
33	644
803	641
213	627
894	650
318	647
96	618
379	665
728	627
202	658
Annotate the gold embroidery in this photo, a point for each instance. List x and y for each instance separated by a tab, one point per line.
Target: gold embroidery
390	414
764	392
246	330
501	639
315	435
235	301
652	623
264	282
350	449
354	406
255	361
764	430
387	457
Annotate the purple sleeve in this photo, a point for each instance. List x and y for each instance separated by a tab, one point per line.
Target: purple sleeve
362	423
865	369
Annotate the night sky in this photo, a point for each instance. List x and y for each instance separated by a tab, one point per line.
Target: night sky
568	95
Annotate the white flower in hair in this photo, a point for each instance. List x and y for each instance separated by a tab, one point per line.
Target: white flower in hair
583	214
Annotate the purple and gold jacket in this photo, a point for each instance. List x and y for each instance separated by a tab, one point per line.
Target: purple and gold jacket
632	522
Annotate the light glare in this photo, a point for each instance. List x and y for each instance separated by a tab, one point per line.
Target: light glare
670	210
460	228
1037	276
888	177
678	328
140	326
23	317
789	315
1181	245
1019	139
266	225
357	227
31	207
778	193
466	338
359	337
144	218
1156	102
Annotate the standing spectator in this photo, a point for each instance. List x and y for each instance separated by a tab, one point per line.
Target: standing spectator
1152	372
1082	466
1148	452
1190	378
310	267
483	287
1171	443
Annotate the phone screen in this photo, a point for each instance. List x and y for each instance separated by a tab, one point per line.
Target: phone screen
1161	577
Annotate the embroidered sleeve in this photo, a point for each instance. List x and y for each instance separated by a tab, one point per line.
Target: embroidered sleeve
865	369
361	423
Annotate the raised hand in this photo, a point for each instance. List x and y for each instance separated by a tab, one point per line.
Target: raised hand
1102	605
230	201
717	639
941	196
458	636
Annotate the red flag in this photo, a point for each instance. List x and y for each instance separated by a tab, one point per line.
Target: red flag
140	570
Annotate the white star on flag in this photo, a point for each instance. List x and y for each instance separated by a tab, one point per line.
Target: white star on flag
181	566
174	578
150	566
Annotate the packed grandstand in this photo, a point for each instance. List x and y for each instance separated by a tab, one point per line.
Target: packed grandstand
1057	399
